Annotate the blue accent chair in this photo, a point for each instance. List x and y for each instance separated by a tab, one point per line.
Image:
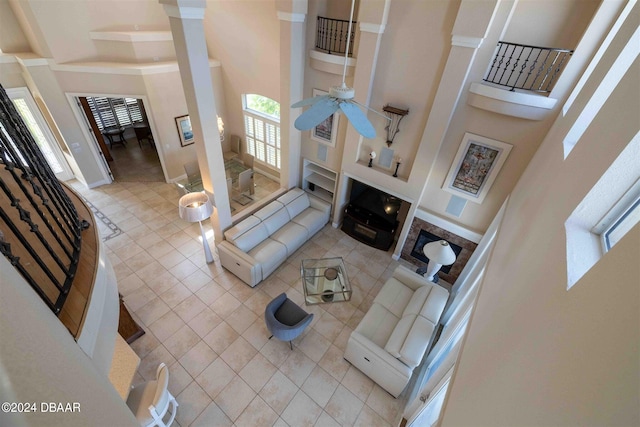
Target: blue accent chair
285	319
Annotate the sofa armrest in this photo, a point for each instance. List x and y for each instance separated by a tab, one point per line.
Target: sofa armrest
319	204
382	354
239	263
411	279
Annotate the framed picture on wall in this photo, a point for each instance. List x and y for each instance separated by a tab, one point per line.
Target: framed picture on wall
184	130
475	167
326	131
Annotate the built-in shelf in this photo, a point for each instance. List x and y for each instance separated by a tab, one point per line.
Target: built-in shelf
319	181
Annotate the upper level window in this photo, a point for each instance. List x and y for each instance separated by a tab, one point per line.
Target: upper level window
620	219
262	128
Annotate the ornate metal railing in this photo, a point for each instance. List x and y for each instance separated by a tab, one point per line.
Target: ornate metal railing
40	230
332	35
526	67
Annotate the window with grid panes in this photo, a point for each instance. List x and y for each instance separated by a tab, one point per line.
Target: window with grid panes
262	130
109	112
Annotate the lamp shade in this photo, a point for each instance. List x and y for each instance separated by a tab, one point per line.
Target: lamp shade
194	207
439	252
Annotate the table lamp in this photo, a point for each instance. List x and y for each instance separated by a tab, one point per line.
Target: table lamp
439	254
196	207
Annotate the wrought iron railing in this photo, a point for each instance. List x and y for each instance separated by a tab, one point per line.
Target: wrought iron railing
332	35
526	67
40	230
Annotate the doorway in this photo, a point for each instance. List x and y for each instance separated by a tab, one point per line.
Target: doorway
124	137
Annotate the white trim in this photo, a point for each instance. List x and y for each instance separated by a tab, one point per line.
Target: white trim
598	55
601	94
447	225
464	41
368	27
121	68
98	183
526	99
332	59
132	36
291	17
54	145
184	12
25	58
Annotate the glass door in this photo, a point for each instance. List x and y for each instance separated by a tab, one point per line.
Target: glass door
40	131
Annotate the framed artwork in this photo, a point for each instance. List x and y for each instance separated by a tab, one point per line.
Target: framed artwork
475	167
184	130
326	131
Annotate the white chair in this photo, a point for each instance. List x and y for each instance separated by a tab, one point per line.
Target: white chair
150	401
235	148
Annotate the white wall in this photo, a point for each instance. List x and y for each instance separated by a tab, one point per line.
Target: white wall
536	353
40	362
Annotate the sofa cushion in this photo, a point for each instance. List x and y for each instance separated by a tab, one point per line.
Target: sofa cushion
399	335
291	235
311	219
269	254
241	228
417	300
415	345
297	204
377	325
273	216
394	296
434	305
290	195
250	238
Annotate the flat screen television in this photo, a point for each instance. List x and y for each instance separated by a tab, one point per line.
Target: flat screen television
384	206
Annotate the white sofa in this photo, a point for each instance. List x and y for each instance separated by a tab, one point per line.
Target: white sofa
257	245
392	338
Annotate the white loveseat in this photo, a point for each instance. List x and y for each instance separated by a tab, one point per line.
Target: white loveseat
257	245
392	338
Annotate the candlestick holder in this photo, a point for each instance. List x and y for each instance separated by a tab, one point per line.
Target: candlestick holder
395	174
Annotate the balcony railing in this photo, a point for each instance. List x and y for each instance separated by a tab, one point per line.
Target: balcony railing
40	229
526	67
332	35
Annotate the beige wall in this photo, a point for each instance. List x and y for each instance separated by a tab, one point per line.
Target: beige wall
244	36
40	362
550	23
12	38
536	353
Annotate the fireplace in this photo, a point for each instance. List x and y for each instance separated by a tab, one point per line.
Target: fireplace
425	237
422	232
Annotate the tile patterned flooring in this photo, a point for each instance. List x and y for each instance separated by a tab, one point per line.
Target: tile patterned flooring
208	326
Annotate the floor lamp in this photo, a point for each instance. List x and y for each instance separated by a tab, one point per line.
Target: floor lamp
196	207
439	254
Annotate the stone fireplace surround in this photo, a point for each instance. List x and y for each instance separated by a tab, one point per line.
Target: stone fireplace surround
456	268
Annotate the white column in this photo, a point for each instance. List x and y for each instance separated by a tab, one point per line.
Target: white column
292	16
186	21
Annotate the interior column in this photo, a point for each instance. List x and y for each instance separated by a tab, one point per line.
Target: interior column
292	14
186	21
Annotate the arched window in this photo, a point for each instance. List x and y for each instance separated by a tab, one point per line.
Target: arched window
262	128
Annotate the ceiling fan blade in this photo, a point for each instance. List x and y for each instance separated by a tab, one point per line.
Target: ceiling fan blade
358	120
309	101
316	114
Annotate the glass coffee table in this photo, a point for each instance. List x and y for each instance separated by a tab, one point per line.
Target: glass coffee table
325	280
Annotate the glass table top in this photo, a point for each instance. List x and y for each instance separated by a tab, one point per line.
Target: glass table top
325	280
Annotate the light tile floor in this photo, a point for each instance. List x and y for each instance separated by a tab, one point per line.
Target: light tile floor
208	326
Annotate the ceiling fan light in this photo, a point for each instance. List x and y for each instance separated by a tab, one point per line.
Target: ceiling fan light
341	92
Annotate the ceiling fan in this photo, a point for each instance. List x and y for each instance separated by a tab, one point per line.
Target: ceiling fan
339	98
